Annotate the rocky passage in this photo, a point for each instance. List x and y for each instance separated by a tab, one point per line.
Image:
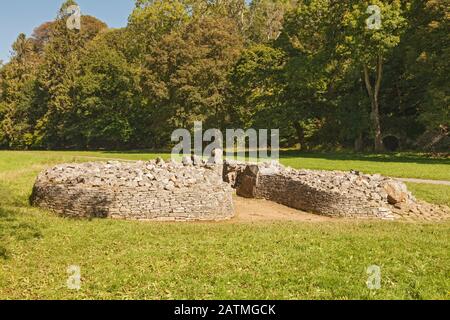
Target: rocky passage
331	193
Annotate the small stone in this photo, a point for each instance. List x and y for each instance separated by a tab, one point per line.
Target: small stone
375	196
196	160
187	161
170	186
216	157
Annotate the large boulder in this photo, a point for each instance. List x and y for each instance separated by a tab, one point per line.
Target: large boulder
248	182
249	178
397	192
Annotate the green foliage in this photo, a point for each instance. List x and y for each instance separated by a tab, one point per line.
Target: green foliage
106	98
56	80
365	44
266	19
428	62
184	76
311	68
18	81
255	87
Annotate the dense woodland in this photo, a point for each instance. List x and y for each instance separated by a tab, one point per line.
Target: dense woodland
311	68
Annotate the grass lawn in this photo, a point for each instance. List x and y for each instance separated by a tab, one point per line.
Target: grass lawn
400	165
439	194
277	260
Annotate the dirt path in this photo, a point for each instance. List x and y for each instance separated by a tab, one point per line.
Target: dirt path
439	182
253	210
256	210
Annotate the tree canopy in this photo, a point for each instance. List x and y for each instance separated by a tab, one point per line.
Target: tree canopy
329	74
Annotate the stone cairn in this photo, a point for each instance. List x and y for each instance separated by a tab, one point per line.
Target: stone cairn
203	190
331	193
154	190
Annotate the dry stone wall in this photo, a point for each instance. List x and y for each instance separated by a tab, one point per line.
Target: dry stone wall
331	193
154	190
198	190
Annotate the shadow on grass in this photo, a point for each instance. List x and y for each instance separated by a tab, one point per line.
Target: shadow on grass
12	227
3	251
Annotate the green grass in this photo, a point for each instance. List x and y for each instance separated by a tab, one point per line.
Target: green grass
438	194
136	260
124	260
401	165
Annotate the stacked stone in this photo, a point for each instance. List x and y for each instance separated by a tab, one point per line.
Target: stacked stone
196	189
233	172
332	193
153	190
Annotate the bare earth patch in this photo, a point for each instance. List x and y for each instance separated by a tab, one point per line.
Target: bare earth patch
257	210
252	210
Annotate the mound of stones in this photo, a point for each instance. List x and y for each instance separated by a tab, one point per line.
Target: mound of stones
154	190
198	190
331	193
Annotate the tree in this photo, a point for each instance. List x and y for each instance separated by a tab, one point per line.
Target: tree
90	27
151	20
105	100
185	74
256	84
22	47
312	69
424	57
370	46
235	10
266	19
57	77
323	71
17	82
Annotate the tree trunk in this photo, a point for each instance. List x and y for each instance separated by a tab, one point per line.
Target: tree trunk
359	143
373	93
300	134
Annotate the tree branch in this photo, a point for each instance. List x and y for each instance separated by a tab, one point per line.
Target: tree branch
367	81
379	75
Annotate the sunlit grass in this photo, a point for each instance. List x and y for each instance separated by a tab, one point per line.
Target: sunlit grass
271	260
